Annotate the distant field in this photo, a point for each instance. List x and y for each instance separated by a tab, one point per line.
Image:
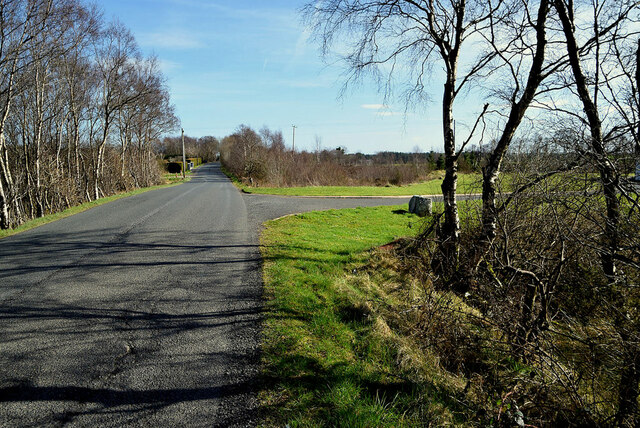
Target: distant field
467	183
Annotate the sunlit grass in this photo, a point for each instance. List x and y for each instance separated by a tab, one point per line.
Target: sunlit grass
330	359
177	178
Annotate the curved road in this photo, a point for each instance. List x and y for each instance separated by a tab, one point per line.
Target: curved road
141	312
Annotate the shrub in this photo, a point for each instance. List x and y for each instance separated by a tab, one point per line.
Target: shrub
262	160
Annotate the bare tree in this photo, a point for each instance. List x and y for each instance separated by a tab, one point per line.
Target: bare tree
388	36
77	78
116	55
509	41
39	97
20	20
154	116
606	27
599	39
63	84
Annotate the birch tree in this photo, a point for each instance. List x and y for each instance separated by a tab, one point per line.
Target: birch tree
595	34
115	59
406	40
522	55
588	61
20	20
65	79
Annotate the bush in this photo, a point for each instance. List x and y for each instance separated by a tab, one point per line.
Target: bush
262	160
546	332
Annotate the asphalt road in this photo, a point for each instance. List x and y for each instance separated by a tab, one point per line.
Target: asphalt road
141	312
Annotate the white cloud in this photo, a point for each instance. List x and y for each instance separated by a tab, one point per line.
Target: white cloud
374	106
383	110
306	84
279	17
170	40
167	66
302	42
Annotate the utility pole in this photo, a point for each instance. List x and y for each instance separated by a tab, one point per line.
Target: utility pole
637	148
184	158
294	137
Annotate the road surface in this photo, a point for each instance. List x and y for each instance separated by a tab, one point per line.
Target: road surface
141	312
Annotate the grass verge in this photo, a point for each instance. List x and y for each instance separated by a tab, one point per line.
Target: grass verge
467	183
49	218
177	178
331	354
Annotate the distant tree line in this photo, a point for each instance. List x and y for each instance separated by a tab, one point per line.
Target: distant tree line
80	108
469	159
206	148
260	158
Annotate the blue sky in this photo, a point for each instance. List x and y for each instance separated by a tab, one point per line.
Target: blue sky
232	62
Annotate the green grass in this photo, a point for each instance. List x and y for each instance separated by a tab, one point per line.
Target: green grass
177	178
467	183
340	346
329	358
49	218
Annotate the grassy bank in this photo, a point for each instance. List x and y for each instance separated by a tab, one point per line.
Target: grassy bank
467	183
332	356
362	334
49	218
177	178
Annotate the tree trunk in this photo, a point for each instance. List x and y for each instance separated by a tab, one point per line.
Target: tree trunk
27	169
610	185
451	227
38	192
4	208
524	326
5	175
491	171
76	150
490	174
608	176
637	146
122	161
629	387
97	172
100	158
125	140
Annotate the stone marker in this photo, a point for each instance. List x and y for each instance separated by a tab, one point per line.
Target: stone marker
420	205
